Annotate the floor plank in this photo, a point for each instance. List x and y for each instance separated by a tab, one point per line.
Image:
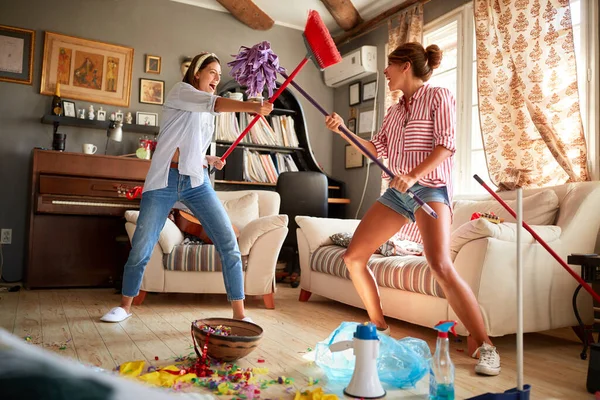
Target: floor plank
161	328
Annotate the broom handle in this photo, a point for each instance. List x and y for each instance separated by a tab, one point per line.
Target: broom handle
350	136
540	241
257	116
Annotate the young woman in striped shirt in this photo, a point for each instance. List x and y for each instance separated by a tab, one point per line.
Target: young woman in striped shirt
417	138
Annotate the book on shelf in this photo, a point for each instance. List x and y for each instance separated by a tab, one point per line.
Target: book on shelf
265	168
278	132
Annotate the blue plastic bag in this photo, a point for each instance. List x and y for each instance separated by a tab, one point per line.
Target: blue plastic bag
401	363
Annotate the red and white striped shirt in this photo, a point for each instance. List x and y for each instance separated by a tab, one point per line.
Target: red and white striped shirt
409	134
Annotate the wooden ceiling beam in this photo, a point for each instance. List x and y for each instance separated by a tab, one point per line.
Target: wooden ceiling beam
344	13
248	13
374	22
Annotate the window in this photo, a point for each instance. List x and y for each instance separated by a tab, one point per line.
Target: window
454	33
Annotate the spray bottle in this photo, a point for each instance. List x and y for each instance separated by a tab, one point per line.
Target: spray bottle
441	372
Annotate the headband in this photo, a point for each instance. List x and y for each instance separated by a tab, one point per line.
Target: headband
201	60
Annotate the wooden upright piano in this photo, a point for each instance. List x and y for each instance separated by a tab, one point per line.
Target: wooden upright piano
77	234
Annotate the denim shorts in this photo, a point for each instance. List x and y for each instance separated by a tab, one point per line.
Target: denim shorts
405	205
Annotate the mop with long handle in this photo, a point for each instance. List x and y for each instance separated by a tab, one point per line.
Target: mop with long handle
351	137
320	48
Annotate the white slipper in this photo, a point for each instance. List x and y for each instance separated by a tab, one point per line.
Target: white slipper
117	314
248	319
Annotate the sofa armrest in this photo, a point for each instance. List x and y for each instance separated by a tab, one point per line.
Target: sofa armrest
170	236
318	230
262	262
258	227
507	231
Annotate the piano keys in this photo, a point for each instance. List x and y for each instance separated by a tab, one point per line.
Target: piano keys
77	234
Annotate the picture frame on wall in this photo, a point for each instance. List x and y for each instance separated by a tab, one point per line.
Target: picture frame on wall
16	54
152	91
368	90
86	69
354	93
354	158
352	125
153	64
146	118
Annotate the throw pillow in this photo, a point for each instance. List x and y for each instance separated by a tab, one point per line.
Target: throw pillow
341	239
538	209
393	248
242	210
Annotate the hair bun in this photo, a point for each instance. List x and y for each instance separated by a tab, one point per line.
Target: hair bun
434	56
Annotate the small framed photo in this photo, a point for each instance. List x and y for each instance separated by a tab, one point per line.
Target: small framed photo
69	109
152	91
354	158
101	115
16	54
352	125
368	90
146	118
119	116
354	93
152	64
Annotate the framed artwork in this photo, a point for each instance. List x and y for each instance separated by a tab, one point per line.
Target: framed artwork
354	93
101	115
152	64
352	125
87	69
152	91
69	109
369	89
365	122
146	118
16	54
354	158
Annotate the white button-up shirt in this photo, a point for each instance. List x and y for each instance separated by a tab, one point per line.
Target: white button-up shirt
188	124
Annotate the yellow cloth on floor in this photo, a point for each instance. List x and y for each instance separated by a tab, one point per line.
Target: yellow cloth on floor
316	394
158	378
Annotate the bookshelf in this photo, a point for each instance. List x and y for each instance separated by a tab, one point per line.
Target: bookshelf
235	175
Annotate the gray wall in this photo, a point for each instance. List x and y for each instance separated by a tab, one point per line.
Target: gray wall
159	27
355	178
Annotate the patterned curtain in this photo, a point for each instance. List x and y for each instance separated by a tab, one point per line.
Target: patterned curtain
527	83
407	27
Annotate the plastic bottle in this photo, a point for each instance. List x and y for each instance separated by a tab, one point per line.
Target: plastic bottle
441	370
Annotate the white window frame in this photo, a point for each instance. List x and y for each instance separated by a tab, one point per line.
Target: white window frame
590	98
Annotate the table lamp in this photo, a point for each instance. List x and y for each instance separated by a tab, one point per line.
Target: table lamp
114	132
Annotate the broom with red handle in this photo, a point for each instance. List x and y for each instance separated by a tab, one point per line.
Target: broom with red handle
351	137
541	241
320	48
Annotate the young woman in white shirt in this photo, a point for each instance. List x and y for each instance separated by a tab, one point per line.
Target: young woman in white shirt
417	138
179	172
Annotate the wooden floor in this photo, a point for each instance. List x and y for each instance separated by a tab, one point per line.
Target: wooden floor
67	322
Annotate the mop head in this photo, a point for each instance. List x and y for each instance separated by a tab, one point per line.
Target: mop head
256	67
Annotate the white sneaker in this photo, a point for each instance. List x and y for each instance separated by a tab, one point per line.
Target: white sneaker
489	360
385	331
117	314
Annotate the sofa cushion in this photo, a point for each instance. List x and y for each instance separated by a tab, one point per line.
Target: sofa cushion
196	257
341	239
481	228
538	209
389	249
242	210
408	273
170	235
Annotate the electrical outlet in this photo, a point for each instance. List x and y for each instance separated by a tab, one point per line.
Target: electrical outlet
6	236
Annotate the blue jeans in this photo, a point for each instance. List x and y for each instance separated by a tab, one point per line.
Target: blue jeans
206	206
405	205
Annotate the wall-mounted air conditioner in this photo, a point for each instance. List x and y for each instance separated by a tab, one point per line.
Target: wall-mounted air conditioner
354	65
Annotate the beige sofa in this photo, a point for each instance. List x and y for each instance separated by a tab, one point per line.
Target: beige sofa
184	267
484	254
